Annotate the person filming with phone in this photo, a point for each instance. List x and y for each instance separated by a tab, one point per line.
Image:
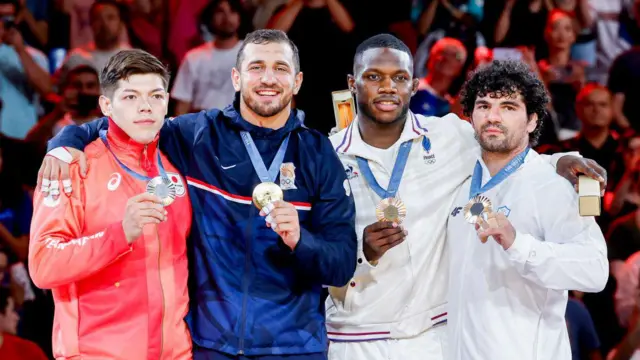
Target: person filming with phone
77	104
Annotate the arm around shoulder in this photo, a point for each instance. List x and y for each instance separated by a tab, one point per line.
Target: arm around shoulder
60	252
78	137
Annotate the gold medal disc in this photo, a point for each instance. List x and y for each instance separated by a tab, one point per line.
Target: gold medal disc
265	193
163	188
391	209
477	208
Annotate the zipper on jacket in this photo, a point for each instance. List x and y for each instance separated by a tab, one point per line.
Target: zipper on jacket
245	285
146	164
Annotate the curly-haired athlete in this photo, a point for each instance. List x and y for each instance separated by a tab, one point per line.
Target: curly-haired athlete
510	272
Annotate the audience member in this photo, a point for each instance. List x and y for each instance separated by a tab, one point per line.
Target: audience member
11	346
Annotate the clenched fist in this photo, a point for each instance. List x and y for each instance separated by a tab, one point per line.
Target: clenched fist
141	210
380	237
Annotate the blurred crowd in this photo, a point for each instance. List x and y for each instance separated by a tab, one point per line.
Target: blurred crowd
51	52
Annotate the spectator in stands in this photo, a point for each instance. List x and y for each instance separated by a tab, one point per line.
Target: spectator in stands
78	103
203	80
585	344
107	26
24	76
446	61
626	197
606	14
624	76
11	346
32	15
595	140
321	29
562	76
522	23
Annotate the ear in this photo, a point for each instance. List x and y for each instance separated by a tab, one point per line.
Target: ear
105	105
533	122
351	83
298	82
414	86
235	78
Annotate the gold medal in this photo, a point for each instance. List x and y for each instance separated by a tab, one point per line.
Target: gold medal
163	188
391	209
477	208
265	193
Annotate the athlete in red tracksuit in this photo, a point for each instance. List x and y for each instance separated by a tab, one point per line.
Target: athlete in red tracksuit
115	261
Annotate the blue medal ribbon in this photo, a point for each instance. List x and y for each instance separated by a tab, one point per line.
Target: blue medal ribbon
396	174
476	180
256	159
103	137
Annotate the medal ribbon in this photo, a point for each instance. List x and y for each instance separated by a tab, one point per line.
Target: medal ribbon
103	137
256	159
396	174
476	180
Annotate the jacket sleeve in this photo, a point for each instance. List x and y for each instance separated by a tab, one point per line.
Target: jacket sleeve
178	136
78	137
60	253
327	250
572	254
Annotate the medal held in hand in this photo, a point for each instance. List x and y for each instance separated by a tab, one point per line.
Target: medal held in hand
163	188
390	208
267	191
477	208
160	186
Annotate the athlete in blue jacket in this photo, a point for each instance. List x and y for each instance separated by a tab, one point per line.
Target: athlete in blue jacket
256	276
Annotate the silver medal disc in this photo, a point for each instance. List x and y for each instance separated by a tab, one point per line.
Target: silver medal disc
163	188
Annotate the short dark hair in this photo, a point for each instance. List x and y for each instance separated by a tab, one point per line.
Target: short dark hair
507	78
80	69
378	42
5	294
113	3
268	36
130	62
206	16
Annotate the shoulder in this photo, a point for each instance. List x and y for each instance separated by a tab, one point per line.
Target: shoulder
198	52
337	138
37	54
25	347
94	152
315	139
541	177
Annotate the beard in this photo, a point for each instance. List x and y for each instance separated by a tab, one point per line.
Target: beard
368	112
496	146
270	109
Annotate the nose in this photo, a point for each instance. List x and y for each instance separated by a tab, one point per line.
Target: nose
493	115
387	86
268	77
145	106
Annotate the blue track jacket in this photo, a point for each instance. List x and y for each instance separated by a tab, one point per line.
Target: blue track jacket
249	294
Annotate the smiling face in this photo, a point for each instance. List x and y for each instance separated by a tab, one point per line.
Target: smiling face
501	123
138	106
383	84
267	78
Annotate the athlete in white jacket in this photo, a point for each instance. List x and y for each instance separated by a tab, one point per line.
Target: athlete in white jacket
395	306
508	295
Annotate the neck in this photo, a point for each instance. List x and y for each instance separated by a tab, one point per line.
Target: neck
226	43
107	46
274	122
439	83
596	136
495	161
559	57
381	136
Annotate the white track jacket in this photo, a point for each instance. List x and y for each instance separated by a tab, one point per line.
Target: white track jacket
506	305
405	294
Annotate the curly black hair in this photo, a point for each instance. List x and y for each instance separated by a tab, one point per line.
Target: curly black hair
507	78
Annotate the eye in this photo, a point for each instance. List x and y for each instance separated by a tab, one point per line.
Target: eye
373	77
282	68
254	67
158	96
130	97
401	78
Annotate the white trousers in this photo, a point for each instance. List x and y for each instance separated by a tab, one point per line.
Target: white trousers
430	345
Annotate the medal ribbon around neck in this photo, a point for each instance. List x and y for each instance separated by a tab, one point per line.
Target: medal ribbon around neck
476	180
266	176
159	185
396	174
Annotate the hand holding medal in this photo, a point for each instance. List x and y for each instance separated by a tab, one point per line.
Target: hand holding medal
379	237
282	217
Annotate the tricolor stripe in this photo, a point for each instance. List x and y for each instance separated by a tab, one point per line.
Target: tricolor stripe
417	123
236	198
439	319
357	337
346	139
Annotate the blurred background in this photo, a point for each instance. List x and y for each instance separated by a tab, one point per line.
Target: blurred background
51	52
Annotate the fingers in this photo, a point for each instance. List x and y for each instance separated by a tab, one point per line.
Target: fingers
152	205
66	180
146	197
45	179
391	240
380	225
151	213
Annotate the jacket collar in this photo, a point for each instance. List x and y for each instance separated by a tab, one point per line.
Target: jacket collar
231	115
353	145
128	150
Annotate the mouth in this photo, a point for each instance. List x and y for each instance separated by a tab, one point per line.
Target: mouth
493	131
267	93
386	104
144	122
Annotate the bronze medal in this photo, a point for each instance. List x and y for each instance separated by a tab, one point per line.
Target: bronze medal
477	208
391	209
